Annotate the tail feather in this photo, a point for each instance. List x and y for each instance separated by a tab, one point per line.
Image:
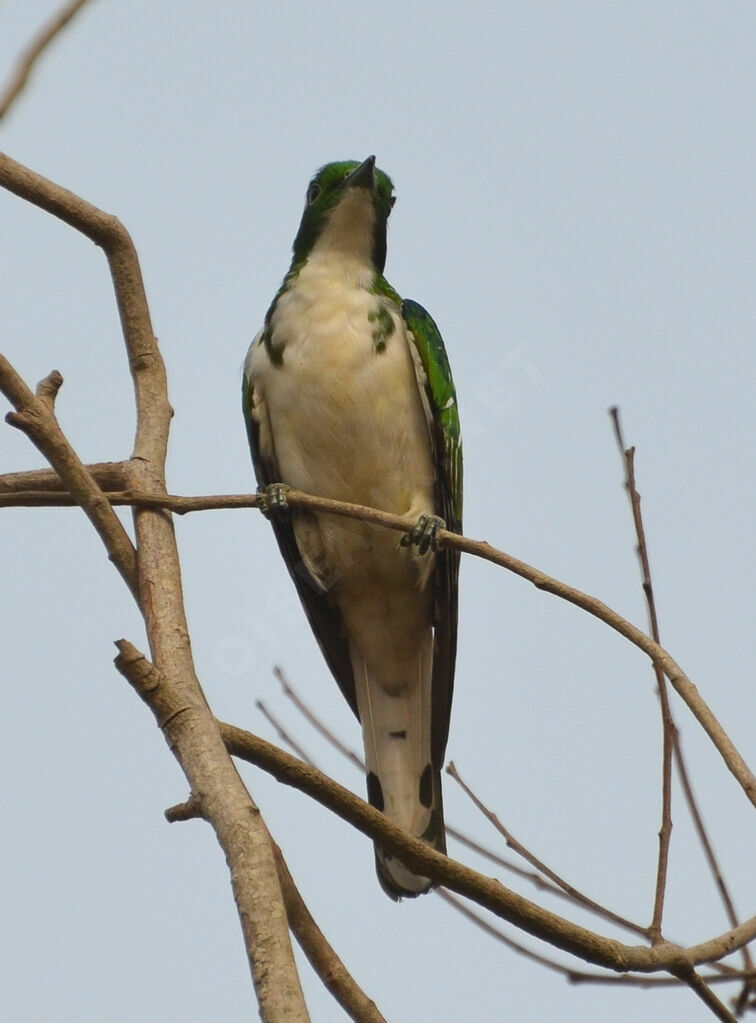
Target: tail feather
399	881
402	780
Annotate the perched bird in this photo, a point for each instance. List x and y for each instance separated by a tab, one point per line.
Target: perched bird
348	394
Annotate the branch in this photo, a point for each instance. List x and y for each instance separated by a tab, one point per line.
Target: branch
35	416
321	954
672	744
220	798
668	725
29	58
284	736
40	482
316	723
312	941
486	892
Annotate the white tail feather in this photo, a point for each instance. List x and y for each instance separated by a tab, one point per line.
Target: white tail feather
396	728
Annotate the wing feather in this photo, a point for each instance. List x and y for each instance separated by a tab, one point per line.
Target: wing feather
445	432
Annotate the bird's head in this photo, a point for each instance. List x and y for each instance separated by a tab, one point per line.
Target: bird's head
347	207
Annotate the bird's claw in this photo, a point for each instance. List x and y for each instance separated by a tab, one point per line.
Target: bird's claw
424	533
273	500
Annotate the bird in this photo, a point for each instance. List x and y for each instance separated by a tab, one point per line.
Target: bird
347	394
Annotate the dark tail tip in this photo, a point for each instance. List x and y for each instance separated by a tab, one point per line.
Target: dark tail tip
398	881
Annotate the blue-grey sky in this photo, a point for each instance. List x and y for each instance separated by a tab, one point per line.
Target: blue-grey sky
575	208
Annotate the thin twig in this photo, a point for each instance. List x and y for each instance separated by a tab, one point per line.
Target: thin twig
34	51
519	848
671	734
481	549
315	721
668	725
283	735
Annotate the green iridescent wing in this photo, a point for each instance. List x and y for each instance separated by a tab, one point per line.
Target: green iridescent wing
442	400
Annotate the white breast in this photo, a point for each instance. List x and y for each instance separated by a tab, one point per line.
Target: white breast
346	421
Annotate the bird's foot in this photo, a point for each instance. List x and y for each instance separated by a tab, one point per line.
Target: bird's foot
424	533
273	500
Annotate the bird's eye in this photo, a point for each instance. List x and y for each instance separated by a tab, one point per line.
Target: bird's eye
313	192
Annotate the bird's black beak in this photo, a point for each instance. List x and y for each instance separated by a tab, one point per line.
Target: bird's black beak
363	176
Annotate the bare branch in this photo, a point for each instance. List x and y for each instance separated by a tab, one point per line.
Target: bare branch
35	416
671	738
311	939
486	892
668	725
38	482
34	51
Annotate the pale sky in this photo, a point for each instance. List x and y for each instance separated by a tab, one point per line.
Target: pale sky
575	208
